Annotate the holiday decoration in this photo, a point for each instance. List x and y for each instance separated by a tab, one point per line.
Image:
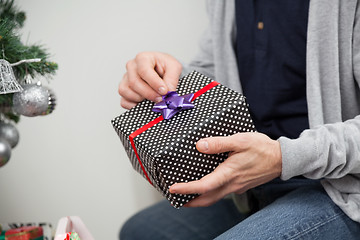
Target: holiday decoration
8	83
51	101
5	152
25	233
72	227
20	65
163	150
46	228
9	133
172	103
34	100
71	236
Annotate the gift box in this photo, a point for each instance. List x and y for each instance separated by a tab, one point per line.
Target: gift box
46	227
164	150
25	233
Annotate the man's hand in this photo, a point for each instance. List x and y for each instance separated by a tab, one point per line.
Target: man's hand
149	75
254	159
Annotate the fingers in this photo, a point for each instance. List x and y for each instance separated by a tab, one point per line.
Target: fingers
136	90
214	145
219	177
145	70
150	75
209	198
126	104
254	160
126	92
234	143
129	98
166	74
143	89
171	76
169	71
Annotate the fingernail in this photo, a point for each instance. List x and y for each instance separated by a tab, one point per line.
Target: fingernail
203	145
172	189
158	99
162	91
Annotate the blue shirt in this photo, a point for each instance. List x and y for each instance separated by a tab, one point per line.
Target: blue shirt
271	55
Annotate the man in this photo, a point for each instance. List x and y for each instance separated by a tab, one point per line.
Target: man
298	64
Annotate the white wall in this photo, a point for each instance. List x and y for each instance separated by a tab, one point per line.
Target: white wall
72	162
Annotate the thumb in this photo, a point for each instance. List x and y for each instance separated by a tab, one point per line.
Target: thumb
214	145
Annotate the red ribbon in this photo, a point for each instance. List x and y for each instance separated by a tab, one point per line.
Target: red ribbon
159	119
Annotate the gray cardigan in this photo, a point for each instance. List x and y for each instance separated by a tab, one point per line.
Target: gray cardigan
330	149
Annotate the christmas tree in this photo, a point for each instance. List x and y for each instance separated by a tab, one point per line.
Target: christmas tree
19	65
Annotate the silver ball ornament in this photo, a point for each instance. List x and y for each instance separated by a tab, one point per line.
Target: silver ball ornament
51	101
34	100
9	133
5	152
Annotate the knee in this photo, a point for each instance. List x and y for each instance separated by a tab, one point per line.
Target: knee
139	226
148	223
129	229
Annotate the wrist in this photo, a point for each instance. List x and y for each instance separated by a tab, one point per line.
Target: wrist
277	158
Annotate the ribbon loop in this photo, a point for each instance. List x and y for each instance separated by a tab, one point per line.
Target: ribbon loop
172	103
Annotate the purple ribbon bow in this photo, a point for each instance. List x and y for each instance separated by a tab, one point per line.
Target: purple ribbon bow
172	103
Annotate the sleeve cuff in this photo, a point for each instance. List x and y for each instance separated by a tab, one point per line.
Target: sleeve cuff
298	156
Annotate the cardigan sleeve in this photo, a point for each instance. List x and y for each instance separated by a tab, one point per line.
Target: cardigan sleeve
328	151
204	59
331	150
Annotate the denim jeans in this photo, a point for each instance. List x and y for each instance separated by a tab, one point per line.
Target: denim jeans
295	209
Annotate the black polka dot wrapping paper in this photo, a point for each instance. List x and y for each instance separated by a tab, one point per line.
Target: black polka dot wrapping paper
164	150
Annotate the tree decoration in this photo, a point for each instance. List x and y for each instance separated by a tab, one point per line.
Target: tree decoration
9	133
5	152
34	100
18	64
51	101
8	83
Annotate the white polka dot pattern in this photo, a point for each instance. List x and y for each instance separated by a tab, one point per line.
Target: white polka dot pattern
167	150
